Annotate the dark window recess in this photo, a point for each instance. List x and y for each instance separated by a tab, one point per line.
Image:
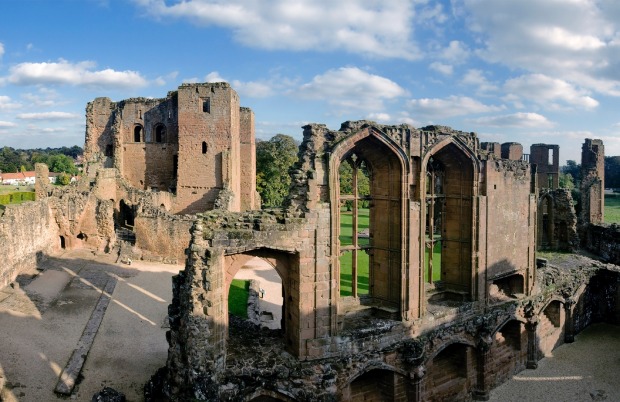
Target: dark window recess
160	133
137	134
109	150
206	105
204	147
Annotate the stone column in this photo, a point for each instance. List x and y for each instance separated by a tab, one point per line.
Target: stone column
569	323
417	384
481	391
532	344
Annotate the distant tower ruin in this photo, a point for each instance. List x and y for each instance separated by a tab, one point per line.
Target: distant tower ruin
592	182
547	160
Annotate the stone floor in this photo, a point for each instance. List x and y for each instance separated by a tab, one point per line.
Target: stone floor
586	370
42	319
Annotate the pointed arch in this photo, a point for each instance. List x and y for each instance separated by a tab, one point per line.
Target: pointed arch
449	187
386	247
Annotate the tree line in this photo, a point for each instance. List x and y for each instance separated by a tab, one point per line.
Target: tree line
570	175
59	160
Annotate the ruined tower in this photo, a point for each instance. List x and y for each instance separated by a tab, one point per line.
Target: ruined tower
592	182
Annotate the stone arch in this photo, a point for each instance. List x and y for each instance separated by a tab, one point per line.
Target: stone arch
264	395
448	188
387	231
451	371
551	326
508	350
546	222
283	262
376	384
138	133
160	133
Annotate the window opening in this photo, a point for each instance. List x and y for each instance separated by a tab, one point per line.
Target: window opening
354	235
435	219
550	157
109	150
137	133
204	147
206	105
160	133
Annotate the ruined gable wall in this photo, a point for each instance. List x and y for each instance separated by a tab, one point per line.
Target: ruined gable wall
510	220
207	113
27	234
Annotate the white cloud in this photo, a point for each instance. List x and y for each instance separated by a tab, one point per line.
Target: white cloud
456	52
545	90
371	27
7	104
214	76
449	107
350	88
570	40
476	78
4	124
379	117
48	116
530	120
1	50
63	72
250	89
442	68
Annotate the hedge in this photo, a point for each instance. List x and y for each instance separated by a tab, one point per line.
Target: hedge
17	197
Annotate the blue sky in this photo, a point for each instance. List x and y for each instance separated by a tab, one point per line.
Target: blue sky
531	71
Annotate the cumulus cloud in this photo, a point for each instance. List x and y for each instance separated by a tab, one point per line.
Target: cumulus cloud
456	52
251	89
4	124
48	116
64	72
442	68
547	91
6	103
477	78
528	120
572	40
449	107
371	27
379	117
350	88
1	50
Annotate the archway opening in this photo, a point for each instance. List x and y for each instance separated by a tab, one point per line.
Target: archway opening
62	242
449	189
452	372
507	349
137	133
551	327
160	133
256	294
378	385
368	221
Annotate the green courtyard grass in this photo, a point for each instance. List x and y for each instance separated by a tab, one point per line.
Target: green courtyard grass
238	298
612	208
436	263
346	260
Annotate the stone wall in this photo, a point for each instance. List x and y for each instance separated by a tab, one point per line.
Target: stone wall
592	182
27	235
163	237
604	241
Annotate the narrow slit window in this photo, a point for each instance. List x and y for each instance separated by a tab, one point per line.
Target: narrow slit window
204	147
206	105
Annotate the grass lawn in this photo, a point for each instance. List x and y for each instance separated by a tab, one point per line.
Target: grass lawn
12	189
612	208
436	263
346	239
238	298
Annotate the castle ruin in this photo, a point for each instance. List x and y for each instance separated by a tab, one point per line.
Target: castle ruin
447	298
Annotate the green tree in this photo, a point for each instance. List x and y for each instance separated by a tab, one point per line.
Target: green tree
574	169
63	179
274	158
566	181
62	163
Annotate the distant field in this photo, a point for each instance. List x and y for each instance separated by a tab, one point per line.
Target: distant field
346	239
612	208
238	298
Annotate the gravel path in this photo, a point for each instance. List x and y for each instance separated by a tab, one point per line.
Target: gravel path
586	370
